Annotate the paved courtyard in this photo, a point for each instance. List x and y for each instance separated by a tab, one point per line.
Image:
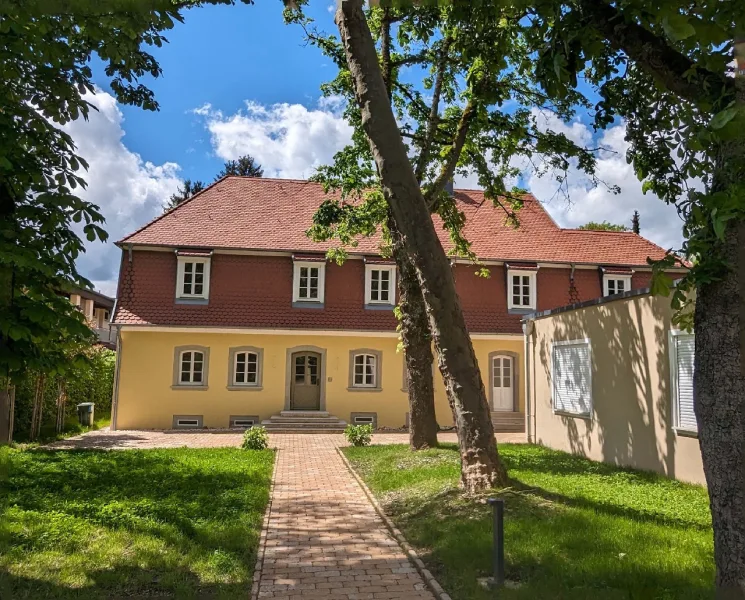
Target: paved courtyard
323	537
122	440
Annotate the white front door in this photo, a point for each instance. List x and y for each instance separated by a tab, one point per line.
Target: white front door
502	381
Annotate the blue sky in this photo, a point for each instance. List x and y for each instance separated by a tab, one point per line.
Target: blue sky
237	80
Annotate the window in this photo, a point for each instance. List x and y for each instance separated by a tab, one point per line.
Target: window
187	422
193	280
571	377
245	368
243	421
682	352
190	367
380	284
364	369
616	284
521	289
309	282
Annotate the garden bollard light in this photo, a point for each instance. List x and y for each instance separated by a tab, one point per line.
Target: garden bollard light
498	550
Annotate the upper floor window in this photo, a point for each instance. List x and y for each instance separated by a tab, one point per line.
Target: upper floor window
193	278
308	285
521	292
245	367
364	369
190	368
380	284
616	284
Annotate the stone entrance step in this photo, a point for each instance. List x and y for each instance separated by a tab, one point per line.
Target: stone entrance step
304	421
508	422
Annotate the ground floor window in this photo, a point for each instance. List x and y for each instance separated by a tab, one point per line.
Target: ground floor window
364	369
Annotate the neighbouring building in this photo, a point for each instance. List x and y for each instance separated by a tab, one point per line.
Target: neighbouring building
612	380
97	309
228	315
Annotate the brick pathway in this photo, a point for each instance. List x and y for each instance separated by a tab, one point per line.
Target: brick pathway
324	538
122	440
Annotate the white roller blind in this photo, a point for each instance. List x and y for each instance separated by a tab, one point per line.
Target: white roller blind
572	378
684	353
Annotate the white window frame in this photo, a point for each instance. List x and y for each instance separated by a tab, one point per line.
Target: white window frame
181	269
191	381
554	409
673	354
533	280
234	353
376	366
321	266
608	278
391	269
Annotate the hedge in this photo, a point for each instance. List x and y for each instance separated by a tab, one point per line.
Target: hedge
93	382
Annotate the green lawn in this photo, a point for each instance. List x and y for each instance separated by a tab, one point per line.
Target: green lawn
574	529
130	524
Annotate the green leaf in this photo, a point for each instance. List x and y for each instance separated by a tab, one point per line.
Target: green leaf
677	26
723	117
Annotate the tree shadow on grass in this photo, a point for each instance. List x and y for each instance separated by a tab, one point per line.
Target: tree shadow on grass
178	516
140	584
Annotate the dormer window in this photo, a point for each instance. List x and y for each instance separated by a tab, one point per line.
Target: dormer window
616	284
380	284
309	282
193	277
521	289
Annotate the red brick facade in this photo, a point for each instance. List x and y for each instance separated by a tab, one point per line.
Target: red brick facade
256	292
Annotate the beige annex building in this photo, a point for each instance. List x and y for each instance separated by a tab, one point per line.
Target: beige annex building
612	380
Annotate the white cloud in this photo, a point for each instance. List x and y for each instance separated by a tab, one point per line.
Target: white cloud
128	190
659	221
289	140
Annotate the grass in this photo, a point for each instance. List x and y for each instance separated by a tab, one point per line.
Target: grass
574	529
181	523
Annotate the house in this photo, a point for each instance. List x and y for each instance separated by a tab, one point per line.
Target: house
228	315
612	379
97	309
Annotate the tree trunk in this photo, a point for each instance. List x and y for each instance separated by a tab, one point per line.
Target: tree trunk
7	410
719	384
481	467
719	376
61	405
38	409
417	343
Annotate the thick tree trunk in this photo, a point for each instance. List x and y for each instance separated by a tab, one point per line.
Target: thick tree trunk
719	383
481	467
719	376
417	343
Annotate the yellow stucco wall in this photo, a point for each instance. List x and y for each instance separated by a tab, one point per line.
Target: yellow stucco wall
146	399
631	422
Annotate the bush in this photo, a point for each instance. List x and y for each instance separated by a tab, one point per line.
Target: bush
92	381
359	435
255	438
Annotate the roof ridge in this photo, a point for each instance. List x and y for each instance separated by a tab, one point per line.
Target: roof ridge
171	210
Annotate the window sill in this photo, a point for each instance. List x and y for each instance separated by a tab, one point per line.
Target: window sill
244	388
379	306
196	301
306	304
523	310
562	413
685	433
199	388
364	389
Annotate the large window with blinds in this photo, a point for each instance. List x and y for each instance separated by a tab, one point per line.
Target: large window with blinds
682	352
571	377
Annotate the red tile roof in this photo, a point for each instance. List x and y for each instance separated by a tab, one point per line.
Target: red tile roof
273	214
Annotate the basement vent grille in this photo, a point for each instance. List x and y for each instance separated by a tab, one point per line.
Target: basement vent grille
364	418
243	421
188	421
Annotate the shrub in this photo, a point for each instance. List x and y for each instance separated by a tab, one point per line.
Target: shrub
255	438
359	435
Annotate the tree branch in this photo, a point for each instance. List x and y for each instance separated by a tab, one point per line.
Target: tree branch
434	113
446	173
385	51
677	72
